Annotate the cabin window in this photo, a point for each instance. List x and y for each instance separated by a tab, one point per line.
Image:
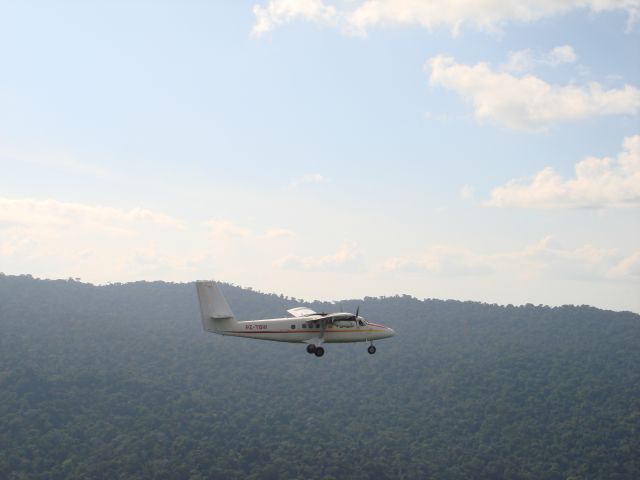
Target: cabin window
304	325
293	327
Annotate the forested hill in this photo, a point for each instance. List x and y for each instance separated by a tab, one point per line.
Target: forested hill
120	381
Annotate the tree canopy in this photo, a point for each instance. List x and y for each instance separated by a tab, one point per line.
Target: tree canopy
120	381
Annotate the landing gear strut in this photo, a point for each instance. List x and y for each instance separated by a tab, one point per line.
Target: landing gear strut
371	349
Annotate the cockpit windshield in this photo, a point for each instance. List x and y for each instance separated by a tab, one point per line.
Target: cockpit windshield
350	321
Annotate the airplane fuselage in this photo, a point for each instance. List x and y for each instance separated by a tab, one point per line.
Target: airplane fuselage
304	330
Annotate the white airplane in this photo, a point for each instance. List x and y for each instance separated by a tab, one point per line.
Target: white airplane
304	325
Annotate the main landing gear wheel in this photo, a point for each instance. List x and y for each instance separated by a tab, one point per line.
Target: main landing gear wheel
319	351
371	349
311	349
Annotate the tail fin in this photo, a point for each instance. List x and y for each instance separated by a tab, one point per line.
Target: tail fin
214	309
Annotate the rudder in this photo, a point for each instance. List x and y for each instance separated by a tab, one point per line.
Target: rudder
214	309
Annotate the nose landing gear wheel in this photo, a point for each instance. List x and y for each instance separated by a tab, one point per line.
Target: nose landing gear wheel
319	351
371	349
311	349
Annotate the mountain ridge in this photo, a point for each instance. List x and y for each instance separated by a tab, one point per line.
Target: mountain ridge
120	381
300	301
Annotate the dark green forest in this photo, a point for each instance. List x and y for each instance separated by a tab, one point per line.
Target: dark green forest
120	382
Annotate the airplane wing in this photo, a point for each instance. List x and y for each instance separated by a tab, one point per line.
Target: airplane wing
340	316
325	317
301	312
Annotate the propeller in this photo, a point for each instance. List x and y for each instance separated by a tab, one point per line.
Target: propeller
355	317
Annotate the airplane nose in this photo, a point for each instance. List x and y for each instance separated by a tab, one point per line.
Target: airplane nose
391	331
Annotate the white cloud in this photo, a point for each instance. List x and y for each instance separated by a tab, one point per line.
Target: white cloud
437	117
277	233
349	258
525	60
485	15
598	183
61	239
543	259
441	260
64	214
221	227
312	179
527	103
467	192
560	55
627	267
53	160
520	61
278	12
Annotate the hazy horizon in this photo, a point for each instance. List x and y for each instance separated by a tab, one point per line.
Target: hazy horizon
336	301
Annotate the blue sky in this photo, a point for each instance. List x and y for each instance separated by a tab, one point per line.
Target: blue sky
326	149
